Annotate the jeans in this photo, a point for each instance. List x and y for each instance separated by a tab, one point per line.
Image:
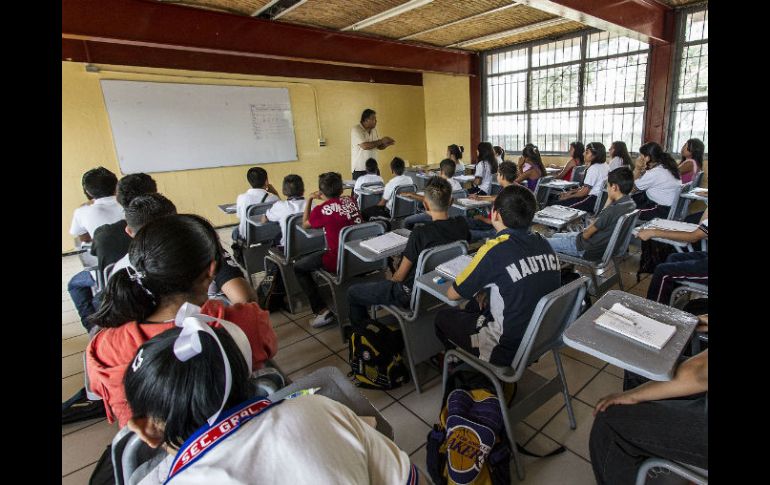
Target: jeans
692	266
79	288
363	295
304	268
415	219
623	436
564	242
459	328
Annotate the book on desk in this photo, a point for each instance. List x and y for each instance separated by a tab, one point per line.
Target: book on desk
385	242
473	202
454	266
671	225
634	325
560	212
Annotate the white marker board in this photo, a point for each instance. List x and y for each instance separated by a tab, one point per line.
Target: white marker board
162	127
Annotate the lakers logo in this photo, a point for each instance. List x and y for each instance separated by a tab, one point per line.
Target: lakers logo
465	452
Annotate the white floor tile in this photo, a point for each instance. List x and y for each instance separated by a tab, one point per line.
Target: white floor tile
602	385
79	477
86	446
564	468
72	365
300	354
576	440
290	333
74	345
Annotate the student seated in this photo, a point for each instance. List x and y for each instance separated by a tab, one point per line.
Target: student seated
371	176
530	167
447	172
384	208
455	153
260	192
692	266
648	421
174	396
481	225
584	197
486	168
294	191
102	208
576	150
657	180
518	266
173	261
619	156
591	243
692	159
440	230
228	278
499	154
336	212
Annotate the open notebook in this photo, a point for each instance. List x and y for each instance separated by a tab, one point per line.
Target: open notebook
560	212
383	243
560	183
472	203
670	225
636	326
454	266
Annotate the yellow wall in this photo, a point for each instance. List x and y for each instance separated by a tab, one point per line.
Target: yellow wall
87	139
447	115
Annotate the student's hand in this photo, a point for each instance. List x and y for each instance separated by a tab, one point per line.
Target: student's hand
645	234
388	141
474	196
703	323
315	195
612	399
564	195
479	217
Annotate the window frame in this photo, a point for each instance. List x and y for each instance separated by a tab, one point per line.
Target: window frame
581	63
681	44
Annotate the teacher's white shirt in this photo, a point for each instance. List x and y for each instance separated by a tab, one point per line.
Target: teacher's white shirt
359	156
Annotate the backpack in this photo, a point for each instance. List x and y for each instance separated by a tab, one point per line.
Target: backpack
271	292
653	254
375	357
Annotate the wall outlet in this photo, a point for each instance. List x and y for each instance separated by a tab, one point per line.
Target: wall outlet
321	142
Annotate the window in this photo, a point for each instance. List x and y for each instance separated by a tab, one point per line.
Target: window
589	87
689	114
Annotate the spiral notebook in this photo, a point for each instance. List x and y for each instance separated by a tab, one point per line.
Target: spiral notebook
671	225
559	212
636	326
454	266
386	242
560	183
472	202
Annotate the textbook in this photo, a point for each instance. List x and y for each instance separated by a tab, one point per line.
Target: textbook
454	266
670	225
473	203
383	243
560	212
636	326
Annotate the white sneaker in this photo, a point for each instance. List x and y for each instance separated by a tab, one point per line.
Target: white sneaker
322	319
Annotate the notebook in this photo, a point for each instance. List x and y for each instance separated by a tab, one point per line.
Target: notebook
670	225
559	212
473	203
647	331
559	182
375	189
454	266
383	243
700	191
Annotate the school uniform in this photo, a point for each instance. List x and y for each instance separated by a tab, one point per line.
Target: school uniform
369	178
87	218
280	212
389	196
434	233
250	197
308	439
456	186
519	267
459	168
692	266
483	171
423	217
595	176
616	162
659	192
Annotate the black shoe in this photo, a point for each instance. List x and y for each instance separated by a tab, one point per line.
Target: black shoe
82	410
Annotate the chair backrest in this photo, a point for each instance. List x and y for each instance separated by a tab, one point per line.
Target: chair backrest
495	188
401	207
108	272
129	452
297	243
621	236
601	199
553	314
367	200
676	207
697	179
262	233
578	173
348	264
430	258
540	191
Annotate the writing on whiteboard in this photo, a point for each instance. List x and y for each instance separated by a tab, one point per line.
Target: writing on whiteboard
270	121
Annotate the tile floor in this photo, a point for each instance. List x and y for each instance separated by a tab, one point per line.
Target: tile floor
303	349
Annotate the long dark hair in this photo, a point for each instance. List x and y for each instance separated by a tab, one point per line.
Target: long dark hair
487	153
171	253
621	150
660	157
696	149
599	151
531	153
183	395
456	151
577	152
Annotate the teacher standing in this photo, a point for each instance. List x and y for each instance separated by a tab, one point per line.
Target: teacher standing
364	142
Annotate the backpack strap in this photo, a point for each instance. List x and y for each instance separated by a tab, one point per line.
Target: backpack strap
264	197
525	451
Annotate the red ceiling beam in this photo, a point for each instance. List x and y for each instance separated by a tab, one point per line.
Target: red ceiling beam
156	25
647	20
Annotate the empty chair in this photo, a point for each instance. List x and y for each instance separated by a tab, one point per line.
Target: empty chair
553	314
416	322
260	236
348	267
691	473
297	244
616	249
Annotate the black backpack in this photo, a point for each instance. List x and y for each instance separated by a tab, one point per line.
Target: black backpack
653	254
375	357
271	293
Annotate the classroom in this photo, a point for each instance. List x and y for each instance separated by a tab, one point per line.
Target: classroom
402	241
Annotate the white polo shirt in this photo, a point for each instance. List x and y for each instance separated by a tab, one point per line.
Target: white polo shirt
87	218
250	197
281	211
660	185
359	156
484	170
369	178
390	189
596	175
455	185
616	162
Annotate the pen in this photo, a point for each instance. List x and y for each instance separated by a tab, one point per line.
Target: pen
618	315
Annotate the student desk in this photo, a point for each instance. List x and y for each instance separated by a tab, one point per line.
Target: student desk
227	208
552	171
679	245
695	196
438	290
369	256
558	184
457	209
612	347
558	224
348	184
464	178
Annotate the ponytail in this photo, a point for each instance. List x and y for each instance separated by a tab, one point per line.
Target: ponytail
660	157
124	301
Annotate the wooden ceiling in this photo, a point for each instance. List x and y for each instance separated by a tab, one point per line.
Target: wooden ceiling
474	25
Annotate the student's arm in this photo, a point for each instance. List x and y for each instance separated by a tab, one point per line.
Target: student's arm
686	167
237	290
481	218
473	278
579	192
308	207
452	294
688	237
566	169
589	231
529	174
403	270
263	218
691	378
84	238
413	196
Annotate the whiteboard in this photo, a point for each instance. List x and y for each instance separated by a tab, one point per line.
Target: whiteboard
162	127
